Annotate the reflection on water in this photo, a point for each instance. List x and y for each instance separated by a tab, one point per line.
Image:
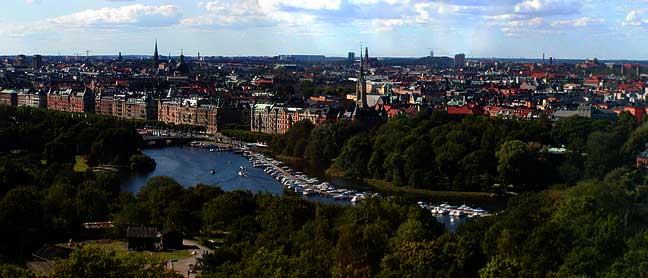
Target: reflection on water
191	166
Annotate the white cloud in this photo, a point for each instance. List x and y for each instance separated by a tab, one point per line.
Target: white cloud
381	25
540	16
551	7
229	12
309	5
577	22
374	2
136	14
504	17
636	18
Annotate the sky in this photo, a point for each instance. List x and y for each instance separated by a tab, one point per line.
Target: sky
606	29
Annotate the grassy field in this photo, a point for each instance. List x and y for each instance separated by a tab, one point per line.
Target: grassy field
81	164
122	247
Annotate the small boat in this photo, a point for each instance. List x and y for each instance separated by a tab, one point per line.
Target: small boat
242	173
212	171
212	150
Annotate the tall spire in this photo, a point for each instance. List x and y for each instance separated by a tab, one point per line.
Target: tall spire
366	56
156	56
361	87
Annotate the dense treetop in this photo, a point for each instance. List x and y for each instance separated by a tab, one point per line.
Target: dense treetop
582	213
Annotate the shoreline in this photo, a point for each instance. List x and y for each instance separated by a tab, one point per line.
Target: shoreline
388	187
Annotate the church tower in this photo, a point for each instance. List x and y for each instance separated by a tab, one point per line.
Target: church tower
182	66
156	56
366	59
361	87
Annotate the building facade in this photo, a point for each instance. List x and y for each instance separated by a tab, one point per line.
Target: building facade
75	101
9	97
35	99
185	113
274	119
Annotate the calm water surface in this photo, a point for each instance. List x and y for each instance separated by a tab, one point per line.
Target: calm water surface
191	166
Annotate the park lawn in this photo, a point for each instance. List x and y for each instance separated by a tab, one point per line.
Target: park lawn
122	247
81	164
174	255
119	246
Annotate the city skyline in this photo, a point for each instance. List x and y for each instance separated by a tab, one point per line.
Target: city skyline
392	28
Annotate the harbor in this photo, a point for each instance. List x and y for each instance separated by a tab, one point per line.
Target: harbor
240	167
446	209
302	184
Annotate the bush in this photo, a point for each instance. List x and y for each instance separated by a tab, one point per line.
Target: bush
142	164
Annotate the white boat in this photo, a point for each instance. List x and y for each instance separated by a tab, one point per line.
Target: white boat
358	198
242	173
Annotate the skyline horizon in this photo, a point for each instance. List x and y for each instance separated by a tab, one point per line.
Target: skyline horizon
162	54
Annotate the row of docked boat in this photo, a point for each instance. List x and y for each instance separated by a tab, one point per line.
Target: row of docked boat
208	146
300	183
454	211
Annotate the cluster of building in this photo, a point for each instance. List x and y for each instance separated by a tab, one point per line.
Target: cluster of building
270	94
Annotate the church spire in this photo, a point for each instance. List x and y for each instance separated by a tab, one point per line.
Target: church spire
156	56
366	59
361	87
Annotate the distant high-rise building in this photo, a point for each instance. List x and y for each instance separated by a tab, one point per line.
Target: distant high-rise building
460	60
432	53
37	62
156	56
551	61
20	61
120	58
302	58
351	58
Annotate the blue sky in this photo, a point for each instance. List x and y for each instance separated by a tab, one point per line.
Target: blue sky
610	29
